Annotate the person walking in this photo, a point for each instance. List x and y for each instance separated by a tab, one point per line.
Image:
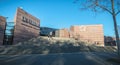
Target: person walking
50	36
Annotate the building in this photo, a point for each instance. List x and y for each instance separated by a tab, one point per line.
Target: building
8	35
45	31
2	28
88	33
62	33
26	26
109	41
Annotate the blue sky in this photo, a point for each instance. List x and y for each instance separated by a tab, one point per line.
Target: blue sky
58	13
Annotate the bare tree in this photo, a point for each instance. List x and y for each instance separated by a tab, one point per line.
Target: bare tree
110	6
119	30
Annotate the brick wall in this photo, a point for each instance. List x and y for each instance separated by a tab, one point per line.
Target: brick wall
26	26
62	33
89	33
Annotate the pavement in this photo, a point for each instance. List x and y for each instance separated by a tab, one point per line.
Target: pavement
81	58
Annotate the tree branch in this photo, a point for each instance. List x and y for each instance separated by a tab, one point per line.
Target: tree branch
105	9
102	7
117	12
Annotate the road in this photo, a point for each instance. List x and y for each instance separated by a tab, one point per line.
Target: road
81	58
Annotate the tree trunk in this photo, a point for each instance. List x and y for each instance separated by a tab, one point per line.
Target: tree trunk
115	27
116	33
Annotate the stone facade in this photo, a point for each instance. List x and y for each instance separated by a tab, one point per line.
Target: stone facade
2	29
26	26
89	33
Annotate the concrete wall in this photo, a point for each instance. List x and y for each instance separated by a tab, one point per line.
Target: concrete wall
26	26
2	28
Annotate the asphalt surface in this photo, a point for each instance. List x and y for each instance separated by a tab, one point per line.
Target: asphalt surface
82	58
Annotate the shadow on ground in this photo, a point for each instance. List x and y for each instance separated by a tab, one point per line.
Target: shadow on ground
42	45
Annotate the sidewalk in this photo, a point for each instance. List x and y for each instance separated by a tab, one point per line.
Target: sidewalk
81	58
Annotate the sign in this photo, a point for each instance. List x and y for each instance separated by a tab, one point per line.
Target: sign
26	20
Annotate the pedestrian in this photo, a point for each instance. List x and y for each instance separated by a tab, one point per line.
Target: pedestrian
50	36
